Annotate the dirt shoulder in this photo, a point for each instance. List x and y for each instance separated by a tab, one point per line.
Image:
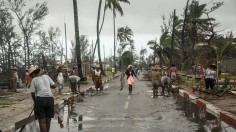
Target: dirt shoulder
18	105
226	102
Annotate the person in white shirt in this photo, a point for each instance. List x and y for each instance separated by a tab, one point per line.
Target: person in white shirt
43	98
210	76
60	81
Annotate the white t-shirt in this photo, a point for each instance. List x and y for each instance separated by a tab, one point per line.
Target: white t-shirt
97	73
60	78
41	86
210	74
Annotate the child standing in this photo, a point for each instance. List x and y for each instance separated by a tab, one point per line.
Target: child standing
60	81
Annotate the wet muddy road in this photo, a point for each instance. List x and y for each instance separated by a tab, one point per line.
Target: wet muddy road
113	110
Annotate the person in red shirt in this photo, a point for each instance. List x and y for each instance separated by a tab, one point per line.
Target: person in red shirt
173	72
27	78
73	72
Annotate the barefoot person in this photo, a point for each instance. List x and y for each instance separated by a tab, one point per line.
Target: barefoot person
165	82
173	72
98	78
156	80
60	81
43	98
130	77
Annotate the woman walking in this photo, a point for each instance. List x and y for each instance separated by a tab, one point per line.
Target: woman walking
43	98
130	77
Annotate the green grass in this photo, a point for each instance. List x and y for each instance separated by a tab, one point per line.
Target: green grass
7	103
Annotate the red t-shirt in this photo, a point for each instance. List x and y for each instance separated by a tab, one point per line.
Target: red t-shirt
173	69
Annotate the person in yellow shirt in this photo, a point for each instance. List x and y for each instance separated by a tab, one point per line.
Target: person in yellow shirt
156	80
113	70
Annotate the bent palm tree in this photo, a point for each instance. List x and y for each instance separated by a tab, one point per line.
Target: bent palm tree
98	37
114	5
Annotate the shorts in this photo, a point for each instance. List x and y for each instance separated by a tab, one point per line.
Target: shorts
155	85
173	76
44	107
60	86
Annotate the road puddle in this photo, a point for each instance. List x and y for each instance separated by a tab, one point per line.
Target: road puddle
67	118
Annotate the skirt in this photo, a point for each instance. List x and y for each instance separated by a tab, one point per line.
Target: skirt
130	80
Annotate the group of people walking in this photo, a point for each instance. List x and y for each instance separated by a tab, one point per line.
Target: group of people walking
41	85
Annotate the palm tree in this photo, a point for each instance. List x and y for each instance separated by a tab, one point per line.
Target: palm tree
153	45
79	65
163	48
219	45
98	37
196	25
124	37
143	52
114	5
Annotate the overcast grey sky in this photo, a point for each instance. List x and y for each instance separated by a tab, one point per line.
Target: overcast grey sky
142	16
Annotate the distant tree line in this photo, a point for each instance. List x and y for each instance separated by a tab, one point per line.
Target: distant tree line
193	39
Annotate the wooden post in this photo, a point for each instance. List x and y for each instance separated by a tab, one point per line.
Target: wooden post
172	40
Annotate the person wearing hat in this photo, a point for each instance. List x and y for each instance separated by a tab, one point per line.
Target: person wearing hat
130	77
98	78
164	71
15	78
156	80
74	82
210	76
42	96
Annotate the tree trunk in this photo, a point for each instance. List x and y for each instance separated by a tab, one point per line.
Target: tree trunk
28	52
172	40
98	37
25	51
183	32
114	25
9	55
79	65
103	18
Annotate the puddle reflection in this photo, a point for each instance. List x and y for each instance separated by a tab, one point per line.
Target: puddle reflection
206	121
67	118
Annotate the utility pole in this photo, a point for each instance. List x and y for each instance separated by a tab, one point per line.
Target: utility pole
172	39
66	47
78	53
104	58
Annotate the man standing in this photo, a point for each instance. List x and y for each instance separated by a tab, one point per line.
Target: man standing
113	70
43	98
156	80
14	80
